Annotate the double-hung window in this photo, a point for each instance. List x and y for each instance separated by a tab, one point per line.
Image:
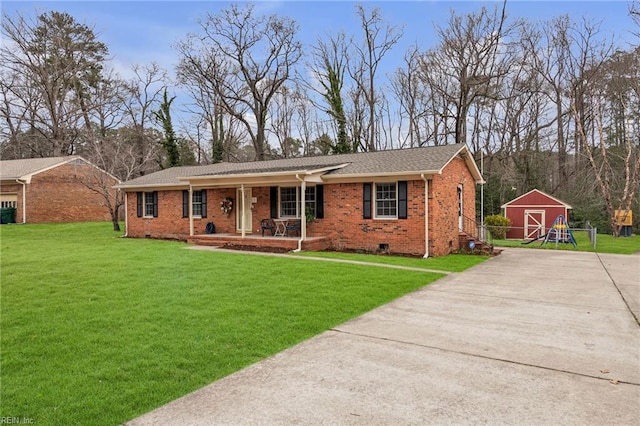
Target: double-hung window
310	201
290	201
149	204
386	200
197	203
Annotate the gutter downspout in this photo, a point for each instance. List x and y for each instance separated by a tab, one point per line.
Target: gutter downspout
24	199
303	216
242	220
426	216
190	210
126	215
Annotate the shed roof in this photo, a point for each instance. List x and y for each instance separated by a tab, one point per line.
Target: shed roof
427	160
522	200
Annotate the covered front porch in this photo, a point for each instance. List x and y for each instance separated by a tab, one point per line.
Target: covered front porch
259	243
251	197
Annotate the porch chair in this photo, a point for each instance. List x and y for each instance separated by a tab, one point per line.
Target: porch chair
294	226
268	225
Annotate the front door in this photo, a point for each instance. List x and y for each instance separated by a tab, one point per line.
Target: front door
243	207
533	223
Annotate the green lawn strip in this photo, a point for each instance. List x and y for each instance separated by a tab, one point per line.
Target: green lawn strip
604	244
450	263
98	329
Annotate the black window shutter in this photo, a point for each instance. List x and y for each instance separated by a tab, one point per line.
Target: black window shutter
273	199
204	203
139	196
319	202
366	201
402	199
155	203
185	203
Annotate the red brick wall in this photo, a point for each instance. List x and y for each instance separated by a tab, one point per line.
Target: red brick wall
171	225
443	206
57	195
342	223
348	230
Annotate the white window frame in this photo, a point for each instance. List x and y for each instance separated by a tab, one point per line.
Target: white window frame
147	204
376	200
281	202
196	204
309	199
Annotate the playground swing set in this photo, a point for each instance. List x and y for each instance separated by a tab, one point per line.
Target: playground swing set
558	233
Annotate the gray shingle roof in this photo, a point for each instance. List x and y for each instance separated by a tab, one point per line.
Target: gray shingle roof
16	169
412	160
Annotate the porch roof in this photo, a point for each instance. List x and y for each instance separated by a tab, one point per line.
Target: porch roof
342	167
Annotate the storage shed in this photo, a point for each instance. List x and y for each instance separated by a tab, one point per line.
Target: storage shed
533	213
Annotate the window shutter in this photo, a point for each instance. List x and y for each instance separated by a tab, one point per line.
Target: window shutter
185	203
402	199
155	203
366	201
139	196
319	202
204	203
273	199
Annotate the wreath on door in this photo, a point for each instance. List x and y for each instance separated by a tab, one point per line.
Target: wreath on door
226	205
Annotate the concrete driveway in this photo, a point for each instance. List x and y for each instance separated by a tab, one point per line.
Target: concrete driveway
534	337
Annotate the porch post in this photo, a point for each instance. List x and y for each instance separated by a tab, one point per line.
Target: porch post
24	201
303	213
190	211
242	211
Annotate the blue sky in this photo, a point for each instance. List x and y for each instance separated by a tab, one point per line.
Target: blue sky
144	31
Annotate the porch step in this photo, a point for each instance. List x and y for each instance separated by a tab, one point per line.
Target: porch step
480	247
258	243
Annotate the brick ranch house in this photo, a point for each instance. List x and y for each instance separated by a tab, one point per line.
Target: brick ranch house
45	190
408	201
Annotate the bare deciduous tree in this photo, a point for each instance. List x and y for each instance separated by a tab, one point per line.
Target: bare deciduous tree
600	159
474	54
364	61
245	58
328	66
52	63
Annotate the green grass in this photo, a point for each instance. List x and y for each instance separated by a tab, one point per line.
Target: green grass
98	329
604	244
451	263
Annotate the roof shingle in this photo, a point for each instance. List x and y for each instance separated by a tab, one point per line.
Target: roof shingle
16	169
411	160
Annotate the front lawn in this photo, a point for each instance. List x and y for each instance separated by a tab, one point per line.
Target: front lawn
604	244
98	329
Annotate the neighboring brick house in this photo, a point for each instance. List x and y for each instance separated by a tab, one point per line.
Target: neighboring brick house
373	201
51	189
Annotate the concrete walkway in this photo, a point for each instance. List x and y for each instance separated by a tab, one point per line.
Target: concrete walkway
533	337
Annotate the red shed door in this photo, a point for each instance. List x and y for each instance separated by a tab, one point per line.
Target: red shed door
533	223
